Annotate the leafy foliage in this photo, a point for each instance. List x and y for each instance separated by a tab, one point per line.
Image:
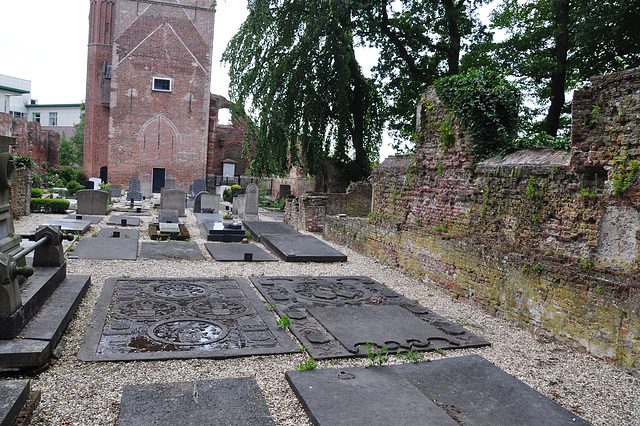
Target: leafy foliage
23	162
487	104
49	205
71	150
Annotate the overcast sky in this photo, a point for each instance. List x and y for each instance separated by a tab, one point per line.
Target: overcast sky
45	42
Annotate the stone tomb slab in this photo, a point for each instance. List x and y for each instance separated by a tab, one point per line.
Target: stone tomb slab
465	390
215	231
13	395
225	252
336	316
124	233
170	250
129	220
181	318
92	219
107	246
258	229
301	248
70	225
236	401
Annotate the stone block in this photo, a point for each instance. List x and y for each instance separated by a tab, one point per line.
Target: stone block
92	202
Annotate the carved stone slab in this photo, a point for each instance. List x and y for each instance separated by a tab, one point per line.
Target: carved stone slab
70	225
236	401
171	318
229	252
170	250
301	248
466	390
124	220
336	316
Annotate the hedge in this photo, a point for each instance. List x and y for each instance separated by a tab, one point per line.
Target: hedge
49	205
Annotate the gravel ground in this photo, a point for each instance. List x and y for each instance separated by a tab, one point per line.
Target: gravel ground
88	393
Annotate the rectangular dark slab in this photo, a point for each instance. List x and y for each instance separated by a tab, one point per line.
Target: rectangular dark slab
130	220
301	248
260	228
13	395
230	252
70	225
336	316
465	390
236	401
124	233
213	230
170	250
177	318
105	248
92	219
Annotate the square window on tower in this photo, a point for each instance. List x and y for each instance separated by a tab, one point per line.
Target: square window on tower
162	84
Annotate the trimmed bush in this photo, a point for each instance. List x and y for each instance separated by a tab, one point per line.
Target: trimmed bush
36	192
49	205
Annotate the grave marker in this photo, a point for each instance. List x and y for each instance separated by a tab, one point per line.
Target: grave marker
92	201
168	216
173	199
252	195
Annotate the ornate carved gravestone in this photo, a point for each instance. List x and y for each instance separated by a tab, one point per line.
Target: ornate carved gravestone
252	195
36	308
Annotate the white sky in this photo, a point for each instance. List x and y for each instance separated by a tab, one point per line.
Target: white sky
45	41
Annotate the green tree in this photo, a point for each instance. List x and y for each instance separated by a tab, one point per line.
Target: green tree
295	63
556	44
72	149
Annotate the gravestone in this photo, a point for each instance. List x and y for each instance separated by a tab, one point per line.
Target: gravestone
180	318
93	219
173	199
92	201
77	226
224	252
96	182
197	202
239	205
109	244
134	196
124	220
285	191
134	185
258	229
13	396
214	230
87	184
199	185
206	203
115	191
170	184
168	216
302	248
251	197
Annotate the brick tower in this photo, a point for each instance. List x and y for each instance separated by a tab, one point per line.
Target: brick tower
148	82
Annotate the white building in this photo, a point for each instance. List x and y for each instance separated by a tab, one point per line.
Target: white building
16	100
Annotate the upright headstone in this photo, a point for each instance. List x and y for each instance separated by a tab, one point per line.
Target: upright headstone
197	208
134	193
239	205
210	202
96	182
251	202
91	201
173	199
168	216
199	185
115	191
285	191
87	184
170	183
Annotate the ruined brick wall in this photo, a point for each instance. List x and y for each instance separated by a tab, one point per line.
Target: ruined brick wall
20	193
231	137
31	140
540	237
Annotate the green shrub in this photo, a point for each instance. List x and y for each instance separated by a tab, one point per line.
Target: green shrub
36	192
68	174
23	162
73	187
49	205
226	195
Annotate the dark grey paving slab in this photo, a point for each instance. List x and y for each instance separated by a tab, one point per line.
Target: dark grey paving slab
336	316
162	318
92	219
170	250
106	248
230	252
124	220
236	401
124	233
301	248
13	395
359	396
464	390
70	225
260	228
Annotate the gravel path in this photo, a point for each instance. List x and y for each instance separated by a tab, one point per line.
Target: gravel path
84	393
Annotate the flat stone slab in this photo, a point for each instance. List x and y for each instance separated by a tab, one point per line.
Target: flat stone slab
124	233
129	220
336	316
301	248
236	401
258	229
106	247
170	250
13	395
215	231
71	225
181	318
465	390
230	252
92	219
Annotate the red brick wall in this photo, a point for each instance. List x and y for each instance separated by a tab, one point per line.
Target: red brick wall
42	146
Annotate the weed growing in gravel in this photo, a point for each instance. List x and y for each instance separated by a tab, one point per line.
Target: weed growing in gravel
412	356
309	364
378	357
440	351
268	306
283	322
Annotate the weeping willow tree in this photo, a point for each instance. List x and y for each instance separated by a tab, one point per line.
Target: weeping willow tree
293	65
